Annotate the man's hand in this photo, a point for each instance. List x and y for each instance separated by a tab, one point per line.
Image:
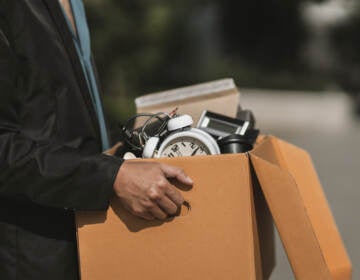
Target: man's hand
145	191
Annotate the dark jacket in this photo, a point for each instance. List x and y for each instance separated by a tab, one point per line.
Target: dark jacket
50	147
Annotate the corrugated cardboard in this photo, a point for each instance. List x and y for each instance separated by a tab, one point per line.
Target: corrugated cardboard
215	239
220	96
300	211
226	233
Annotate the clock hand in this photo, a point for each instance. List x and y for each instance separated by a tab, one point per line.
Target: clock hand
194	152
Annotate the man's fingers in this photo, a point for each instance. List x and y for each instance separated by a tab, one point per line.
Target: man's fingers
178	173
150	195
167	205
139	212
172	192
175	195
158	213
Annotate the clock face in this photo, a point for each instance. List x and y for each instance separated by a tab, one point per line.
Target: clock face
185	146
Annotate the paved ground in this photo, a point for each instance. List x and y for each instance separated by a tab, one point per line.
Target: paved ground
322	124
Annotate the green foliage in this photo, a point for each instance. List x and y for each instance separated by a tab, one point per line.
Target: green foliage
143	46
137	44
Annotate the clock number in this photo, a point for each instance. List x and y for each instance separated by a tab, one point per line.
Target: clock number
175	148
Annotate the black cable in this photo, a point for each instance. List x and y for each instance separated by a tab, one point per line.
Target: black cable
141	133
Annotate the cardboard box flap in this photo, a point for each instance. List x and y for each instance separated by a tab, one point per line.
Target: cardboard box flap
291	220
267	149
300	211
300	166
221	96
211	241
257	249
263	231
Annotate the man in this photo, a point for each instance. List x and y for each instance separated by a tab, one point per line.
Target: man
52	135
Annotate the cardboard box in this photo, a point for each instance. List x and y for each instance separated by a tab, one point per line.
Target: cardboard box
221	96
227	232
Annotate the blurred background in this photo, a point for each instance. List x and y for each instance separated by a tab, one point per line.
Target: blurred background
296	62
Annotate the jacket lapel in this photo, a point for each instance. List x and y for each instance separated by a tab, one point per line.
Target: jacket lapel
57	16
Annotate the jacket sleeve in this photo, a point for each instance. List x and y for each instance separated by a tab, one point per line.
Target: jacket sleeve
50	174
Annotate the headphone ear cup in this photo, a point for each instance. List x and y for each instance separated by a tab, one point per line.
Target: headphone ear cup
150	147
179	122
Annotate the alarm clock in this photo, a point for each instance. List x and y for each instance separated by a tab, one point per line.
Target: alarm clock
182	140
190	142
